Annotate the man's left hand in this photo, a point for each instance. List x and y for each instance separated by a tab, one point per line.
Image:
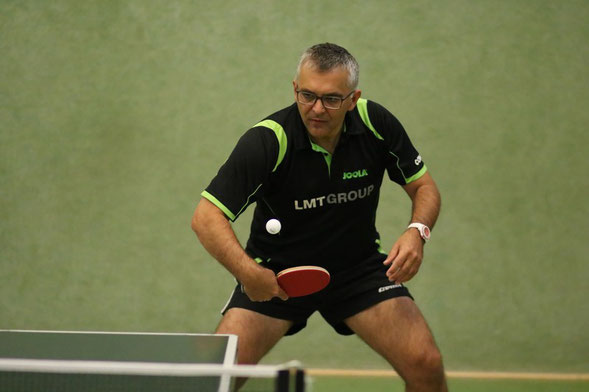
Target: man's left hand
405	257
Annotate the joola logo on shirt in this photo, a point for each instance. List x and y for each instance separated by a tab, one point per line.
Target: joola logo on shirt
355	174
333	198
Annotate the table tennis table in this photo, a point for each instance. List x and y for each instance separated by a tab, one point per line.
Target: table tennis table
42	361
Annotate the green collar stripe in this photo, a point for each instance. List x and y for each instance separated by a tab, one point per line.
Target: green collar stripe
219	205
280	136
362	106
324	152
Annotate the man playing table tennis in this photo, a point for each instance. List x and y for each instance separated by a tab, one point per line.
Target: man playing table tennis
316	166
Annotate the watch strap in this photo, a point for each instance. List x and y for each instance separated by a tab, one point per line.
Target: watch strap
424	231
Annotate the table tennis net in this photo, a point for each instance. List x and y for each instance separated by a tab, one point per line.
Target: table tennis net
98	376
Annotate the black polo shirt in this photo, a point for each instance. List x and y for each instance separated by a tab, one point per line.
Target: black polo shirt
326	203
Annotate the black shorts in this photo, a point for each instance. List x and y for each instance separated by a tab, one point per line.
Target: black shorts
348	293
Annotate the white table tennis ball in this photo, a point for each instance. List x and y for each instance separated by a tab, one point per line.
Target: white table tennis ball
273	226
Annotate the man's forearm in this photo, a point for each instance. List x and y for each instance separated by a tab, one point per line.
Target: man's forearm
426	200
217	236
426	205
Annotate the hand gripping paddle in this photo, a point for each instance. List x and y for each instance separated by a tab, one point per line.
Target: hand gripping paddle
304	280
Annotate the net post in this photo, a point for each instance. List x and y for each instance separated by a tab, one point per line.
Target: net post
299	380
283	381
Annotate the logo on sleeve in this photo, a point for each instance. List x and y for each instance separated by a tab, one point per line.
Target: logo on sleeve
418	160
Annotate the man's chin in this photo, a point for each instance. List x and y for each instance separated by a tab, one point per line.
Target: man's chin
318	129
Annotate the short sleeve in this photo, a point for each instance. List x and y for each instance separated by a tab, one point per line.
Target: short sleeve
403	162
241	179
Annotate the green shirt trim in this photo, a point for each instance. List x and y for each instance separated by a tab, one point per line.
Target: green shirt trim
380	249
362	106
417	175
219	205
326	155
280	136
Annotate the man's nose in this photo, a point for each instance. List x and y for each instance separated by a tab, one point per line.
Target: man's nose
318	106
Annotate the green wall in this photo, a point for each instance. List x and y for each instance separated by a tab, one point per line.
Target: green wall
114	115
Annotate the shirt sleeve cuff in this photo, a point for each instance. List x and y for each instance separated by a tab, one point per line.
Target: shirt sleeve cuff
219	205
416	176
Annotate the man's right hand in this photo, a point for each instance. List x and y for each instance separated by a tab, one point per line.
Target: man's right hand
262	286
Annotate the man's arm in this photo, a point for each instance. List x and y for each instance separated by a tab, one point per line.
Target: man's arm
407	253
217	236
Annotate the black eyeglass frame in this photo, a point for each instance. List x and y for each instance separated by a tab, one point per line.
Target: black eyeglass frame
322	98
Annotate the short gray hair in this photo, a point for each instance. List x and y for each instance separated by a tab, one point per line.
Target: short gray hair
328	56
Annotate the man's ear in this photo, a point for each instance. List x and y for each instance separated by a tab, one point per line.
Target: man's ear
355	97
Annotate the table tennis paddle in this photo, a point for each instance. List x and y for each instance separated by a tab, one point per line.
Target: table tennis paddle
303	280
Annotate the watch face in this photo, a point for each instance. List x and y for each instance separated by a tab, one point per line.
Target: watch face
426	232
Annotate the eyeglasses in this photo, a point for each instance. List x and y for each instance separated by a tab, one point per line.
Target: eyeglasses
328	101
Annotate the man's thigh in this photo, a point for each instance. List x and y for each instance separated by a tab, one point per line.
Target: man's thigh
257	333
397	330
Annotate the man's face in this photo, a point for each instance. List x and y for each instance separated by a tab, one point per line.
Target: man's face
322	123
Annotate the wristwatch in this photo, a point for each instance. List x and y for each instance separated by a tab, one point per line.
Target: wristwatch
424	231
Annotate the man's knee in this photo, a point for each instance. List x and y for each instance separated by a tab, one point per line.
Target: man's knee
426	372
431	360
426	365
